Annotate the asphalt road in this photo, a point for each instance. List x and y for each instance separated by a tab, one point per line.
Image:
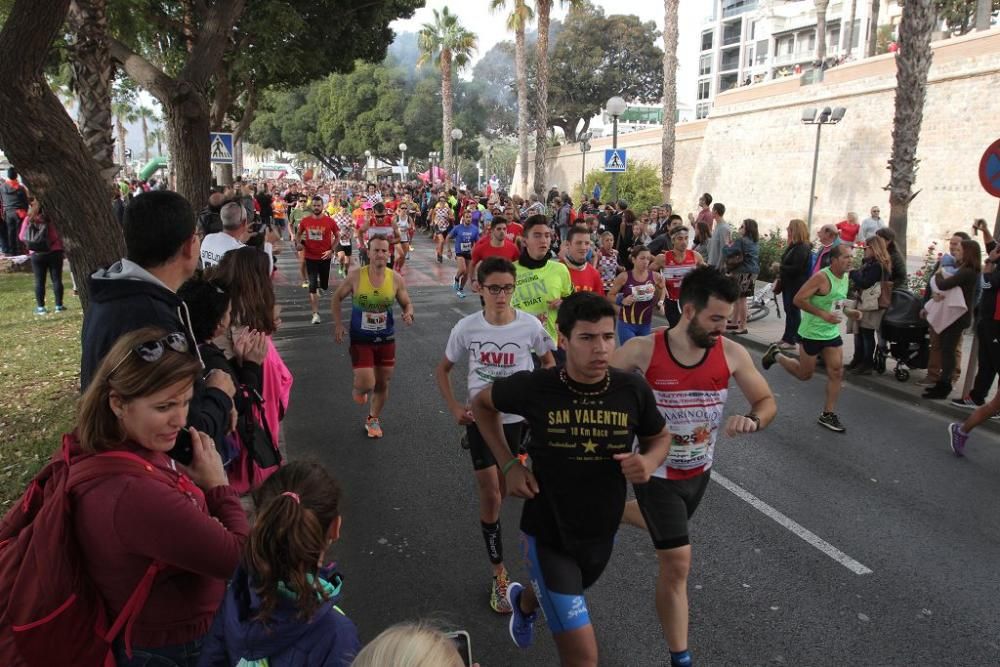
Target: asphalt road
874	547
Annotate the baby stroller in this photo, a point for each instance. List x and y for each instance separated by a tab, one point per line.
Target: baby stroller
904	335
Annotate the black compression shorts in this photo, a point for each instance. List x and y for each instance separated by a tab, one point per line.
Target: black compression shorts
667	504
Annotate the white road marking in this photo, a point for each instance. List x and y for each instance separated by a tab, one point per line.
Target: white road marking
806	534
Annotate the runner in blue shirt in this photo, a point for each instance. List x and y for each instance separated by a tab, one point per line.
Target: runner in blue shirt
465	233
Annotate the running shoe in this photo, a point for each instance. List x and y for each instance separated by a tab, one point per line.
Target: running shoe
60	309
321	291
315	319
460	294
41	311
966	402
770	356
522	626
830	420
305	285
957	438
498	594
373	427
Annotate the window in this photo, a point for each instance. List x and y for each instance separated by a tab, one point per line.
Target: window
761	52
834	40
749	59
730	59
732	33
856	37
702	110
753	30
706	40
704	88
727	81
705	64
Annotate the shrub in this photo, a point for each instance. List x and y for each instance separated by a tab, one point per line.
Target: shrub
639	186
916	281
771	246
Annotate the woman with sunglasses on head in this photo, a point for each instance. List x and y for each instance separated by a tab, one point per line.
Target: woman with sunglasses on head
177	527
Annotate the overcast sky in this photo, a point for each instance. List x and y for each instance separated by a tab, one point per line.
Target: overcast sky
490	29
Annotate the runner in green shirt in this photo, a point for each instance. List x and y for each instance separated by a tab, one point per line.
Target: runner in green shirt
542	282
821	300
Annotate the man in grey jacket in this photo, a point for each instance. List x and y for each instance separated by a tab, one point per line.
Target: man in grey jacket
722	236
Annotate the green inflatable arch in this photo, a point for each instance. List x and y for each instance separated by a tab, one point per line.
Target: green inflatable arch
152	166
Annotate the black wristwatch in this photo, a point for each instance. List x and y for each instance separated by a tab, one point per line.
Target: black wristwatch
754	418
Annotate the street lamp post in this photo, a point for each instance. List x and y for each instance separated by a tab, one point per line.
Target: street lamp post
368	166
402	161
456	136
584	147
615	107
825	117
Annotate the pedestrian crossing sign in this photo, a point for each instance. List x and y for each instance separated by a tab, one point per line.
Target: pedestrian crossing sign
221	147
615	160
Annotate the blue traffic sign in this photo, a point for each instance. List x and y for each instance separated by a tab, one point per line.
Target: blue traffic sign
221	147
615	160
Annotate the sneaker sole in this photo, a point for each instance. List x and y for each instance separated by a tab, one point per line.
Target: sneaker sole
965	406
951	444
832	427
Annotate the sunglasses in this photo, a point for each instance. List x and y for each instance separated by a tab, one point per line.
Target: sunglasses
495	290
153	350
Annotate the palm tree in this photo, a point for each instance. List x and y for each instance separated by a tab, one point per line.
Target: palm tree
670	34
520	15
449	45
541	94
145	114
821	6
124	112
913	61
873	29
158	135
852	16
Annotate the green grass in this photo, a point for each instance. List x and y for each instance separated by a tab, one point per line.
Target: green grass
39	380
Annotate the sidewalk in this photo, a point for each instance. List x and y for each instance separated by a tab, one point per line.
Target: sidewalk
765	331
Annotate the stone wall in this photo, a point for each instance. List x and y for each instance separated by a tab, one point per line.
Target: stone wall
754	154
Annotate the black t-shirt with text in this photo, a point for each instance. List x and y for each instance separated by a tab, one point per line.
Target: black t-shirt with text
573	440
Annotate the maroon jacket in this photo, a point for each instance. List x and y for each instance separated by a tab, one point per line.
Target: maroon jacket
124	523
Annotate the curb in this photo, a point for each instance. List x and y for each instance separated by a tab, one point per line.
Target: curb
888	387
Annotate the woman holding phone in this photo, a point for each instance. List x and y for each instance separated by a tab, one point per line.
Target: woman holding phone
178	528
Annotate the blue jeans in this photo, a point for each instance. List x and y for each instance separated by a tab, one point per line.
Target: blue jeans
628	331
793	316
178	655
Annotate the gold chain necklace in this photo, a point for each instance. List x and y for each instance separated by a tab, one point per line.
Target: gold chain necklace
603	390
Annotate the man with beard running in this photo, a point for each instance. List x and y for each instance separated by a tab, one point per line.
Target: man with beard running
584	418
688	367
374	288
315	239
497	342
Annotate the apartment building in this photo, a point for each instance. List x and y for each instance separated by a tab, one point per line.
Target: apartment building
748	41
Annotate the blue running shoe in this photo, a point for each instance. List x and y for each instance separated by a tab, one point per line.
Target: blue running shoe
41	310
522	626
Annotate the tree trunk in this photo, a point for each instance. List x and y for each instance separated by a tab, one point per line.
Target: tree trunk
92	73
670	35
913	61
120	123
145	139
873	29
852	17
446	113
523	119
821	6
40	139
983	10
188	128
543	8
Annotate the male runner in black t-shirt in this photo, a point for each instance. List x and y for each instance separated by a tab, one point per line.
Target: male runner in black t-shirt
583	419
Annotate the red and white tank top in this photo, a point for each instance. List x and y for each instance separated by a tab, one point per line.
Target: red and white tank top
692	400
673	271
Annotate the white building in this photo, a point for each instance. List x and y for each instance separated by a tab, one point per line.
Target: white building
747	41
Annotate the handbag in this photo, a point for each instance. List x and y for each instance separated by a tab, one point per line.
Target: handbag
885	297
869	298
734	259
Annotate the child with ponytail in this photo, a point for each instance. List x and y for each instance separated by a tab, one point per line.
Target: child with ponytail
280	608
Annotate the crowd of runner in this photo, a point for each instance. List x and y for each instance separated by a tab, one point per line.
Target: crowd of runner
573	394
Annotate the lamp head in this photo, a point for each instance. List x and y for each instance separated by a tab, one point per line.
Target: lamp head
402	148
584	146
824	115
368	153
456	134
809	115
616	106
586	136
838	114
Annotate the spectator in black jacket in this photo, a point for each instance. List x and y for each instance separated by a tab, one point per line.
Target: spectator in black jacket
209	220
793	274
161	252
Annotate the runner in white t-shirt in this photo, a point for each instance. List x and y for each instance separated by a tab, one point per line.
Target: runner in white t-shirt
497	342
235	231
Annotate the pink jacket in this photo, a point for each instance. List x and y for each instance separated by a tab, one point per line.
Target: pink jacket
55	241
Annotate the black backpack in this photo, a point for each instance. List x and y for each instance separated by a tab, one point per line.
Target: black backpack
36	236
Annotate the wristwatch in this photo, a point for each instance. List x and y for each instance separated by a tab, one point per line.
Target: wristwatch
754	418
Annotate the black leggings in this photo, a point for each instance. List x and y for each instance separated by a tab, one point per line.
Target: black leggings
51	262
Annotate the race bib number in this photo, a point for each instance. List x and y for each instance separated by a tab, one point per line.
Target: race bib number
374	321
314	234
404	237
643	292
466	246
